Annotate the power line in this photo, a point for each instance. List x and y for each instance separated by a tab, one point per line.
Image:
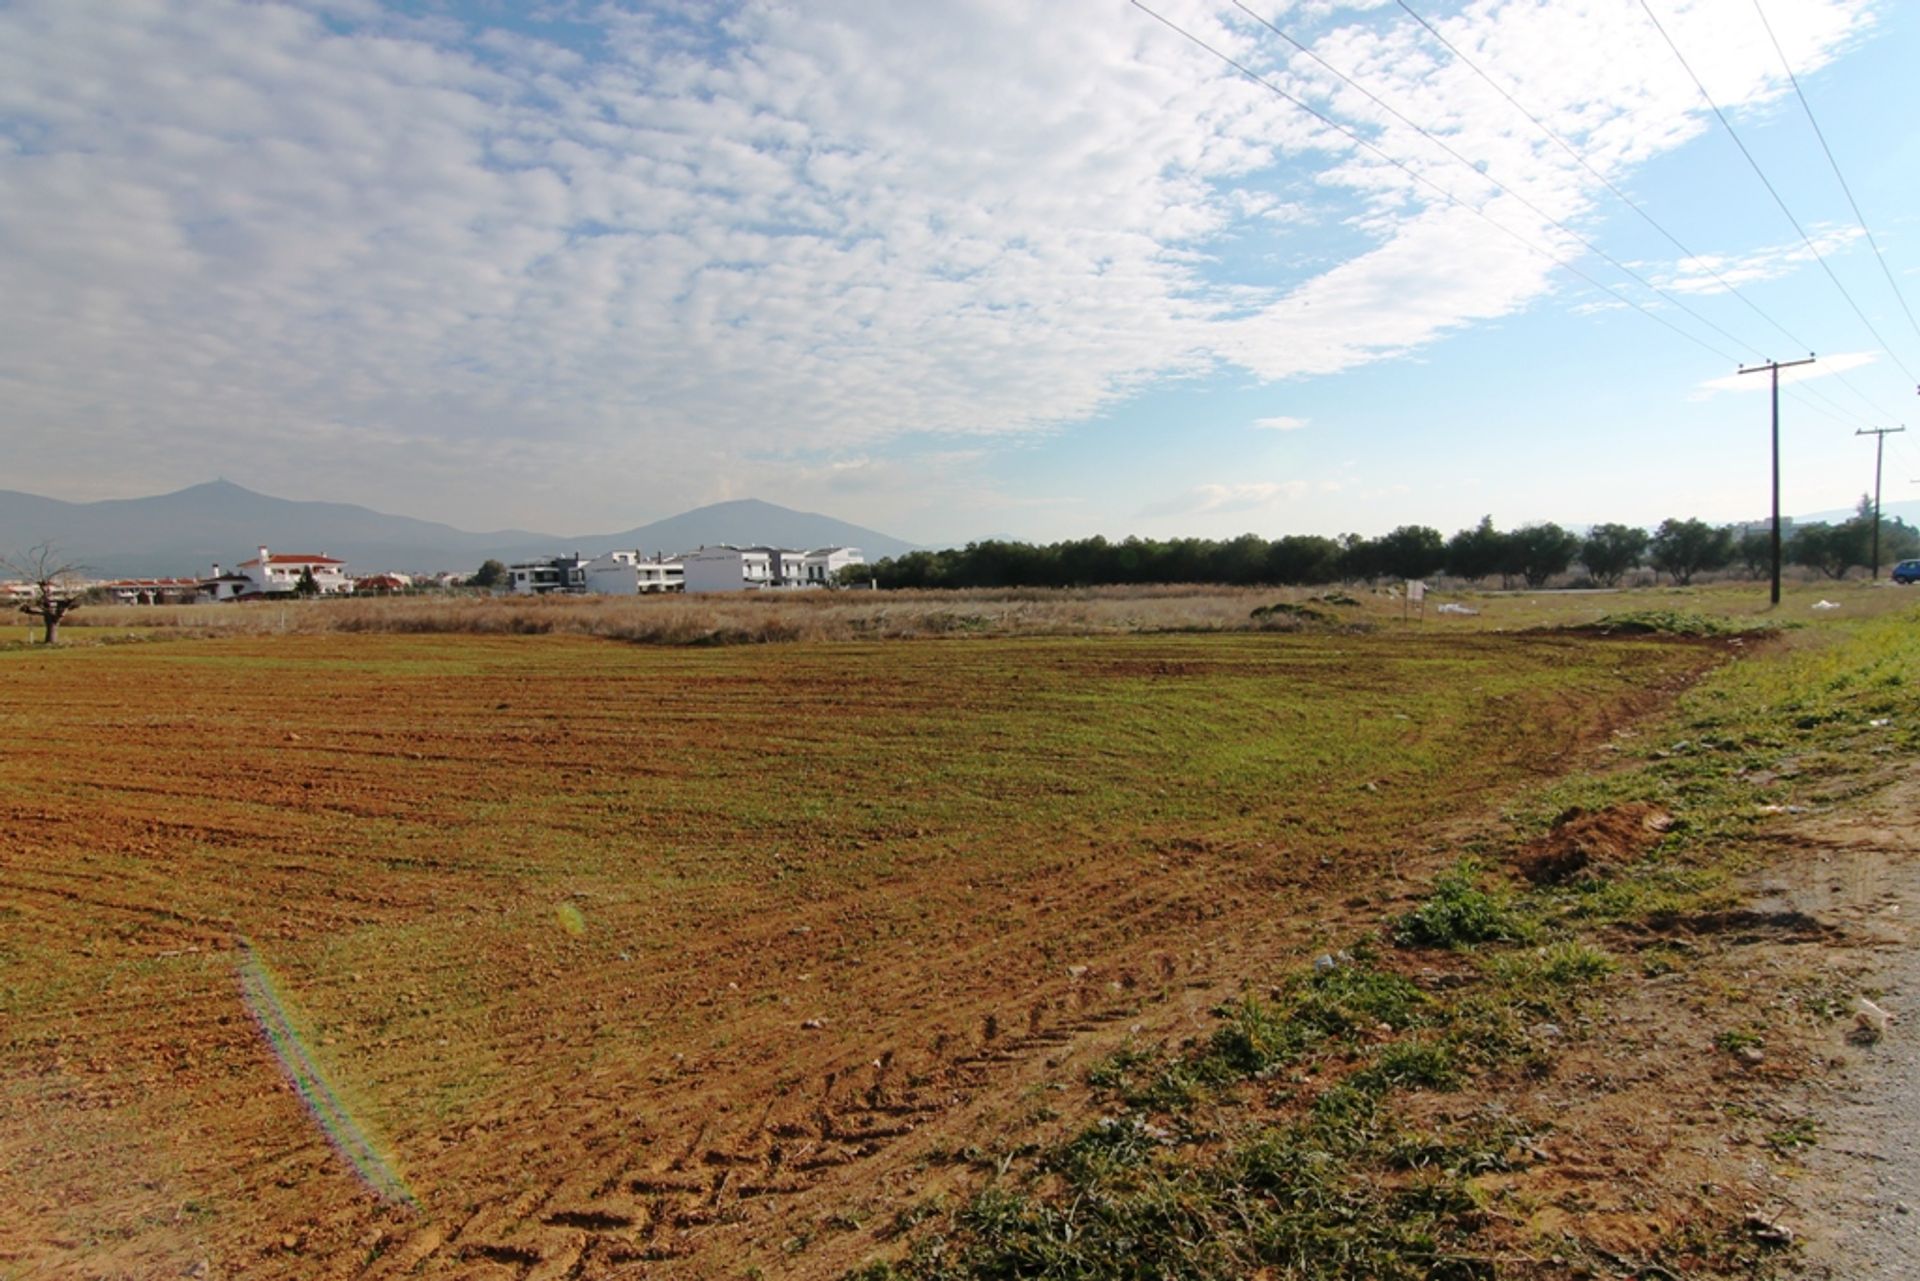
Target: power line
1829	407
1834	410
1821	135
1452	199
1478	169
1703	263
1582	161
1489	177
1768	184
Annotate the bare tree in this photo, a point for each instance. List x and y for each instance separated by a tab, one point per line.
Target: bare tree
56	585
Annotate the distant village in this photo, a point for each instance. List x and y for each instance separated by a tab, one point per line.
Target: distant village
284	575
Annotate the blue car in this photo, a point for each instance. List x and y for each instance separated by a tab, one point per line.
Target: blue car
1907	571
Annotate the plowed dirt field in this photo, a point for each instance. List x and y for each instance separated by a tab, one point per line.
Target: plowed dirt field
543	957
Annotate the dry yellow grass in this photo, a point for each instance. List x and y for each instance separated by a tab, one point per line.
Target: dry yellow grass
813	616
858	615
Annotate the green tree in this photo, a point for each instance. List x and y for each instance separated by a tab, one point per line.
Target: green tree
307	585
1474	553
490	574
1412	551
853	575
1609	551
1538	552
1360	558
1303	559
1831	549
1243	561
1753	548
1898	541
1683	548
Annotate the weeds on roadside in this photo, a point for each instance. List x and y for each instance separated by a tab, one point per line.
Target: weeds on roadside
1671	622
1462	913
1168	1187
1340	1185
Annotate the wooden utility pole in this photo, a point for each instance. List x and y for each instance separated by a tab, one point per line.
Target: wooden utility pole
1775	367
1879	435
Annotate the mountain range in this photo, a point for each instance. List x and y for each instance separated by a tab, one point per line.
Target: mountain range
187	532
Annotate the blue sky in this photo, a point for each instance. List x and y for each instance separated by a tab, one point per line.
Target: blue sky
979	267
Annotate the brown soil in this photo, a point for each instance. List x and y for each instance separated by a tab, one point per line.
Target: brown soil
1714	1099
686	1086
1592	842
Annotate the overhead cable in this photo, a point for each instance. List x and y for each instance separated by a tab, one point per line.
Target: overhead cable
1821	135
1452	199
1484	173
1701	262
1772	191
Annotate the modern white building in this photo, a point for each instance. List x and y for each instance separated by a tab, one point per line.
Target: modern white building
735	569
544	577
632	574
822	563
727	569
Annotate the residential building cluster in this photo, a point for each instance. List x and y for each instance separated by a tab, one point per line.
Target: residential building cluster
725	568
270	575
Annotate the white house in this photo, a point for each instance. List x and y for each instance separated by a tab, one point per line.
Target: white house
632	574
821	564
727	569
734	569
276	574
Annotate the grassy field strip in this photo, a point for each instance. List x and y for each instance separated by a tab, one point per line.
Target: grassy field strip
1368	1115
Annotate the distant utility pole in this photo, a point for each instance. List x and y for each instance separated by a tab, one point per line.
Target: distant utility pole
1879	435
1775	367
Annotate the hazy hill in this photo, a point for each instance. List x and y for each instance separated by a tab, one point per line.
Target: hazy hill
188	531
1908	511
748	520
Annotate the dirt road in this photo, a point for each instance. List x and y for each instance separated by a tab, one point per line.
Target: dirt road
1862	1208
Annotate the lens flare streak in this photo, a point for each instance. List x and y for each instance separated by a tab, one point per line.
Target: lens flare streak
274	1013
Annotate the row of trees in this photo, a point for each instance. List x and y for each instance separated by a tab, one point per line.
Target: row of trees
1531	554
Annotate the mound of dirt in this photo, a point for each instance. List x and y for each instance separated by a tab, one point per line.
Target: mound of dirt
1588	842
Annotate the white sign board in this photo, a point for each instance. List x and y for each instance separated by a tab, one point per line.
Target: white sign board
1416	592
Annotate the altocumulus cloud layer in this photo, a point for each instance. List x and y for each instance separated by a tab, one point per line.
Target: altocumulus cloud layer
331	246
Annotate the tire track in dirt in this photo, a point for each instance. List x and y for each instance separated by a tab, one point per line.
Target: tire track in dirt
607	1113
657	1208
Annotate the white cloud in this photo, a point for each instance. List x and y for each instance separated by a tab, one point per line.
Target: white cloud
366	249
1281	423
1823	367
1714	273
1241	496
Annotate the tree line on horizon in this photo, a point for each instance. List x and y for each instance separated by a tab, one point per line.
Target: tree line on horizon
1532	554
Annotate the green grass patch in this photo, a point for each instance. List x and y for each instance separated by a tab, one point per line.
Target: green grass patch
1674	622
1466	909
1277	1146
1179	1184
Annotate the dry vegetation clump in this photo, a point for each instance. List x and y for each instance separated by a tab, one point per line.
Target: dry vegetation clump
759	619
1732	612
